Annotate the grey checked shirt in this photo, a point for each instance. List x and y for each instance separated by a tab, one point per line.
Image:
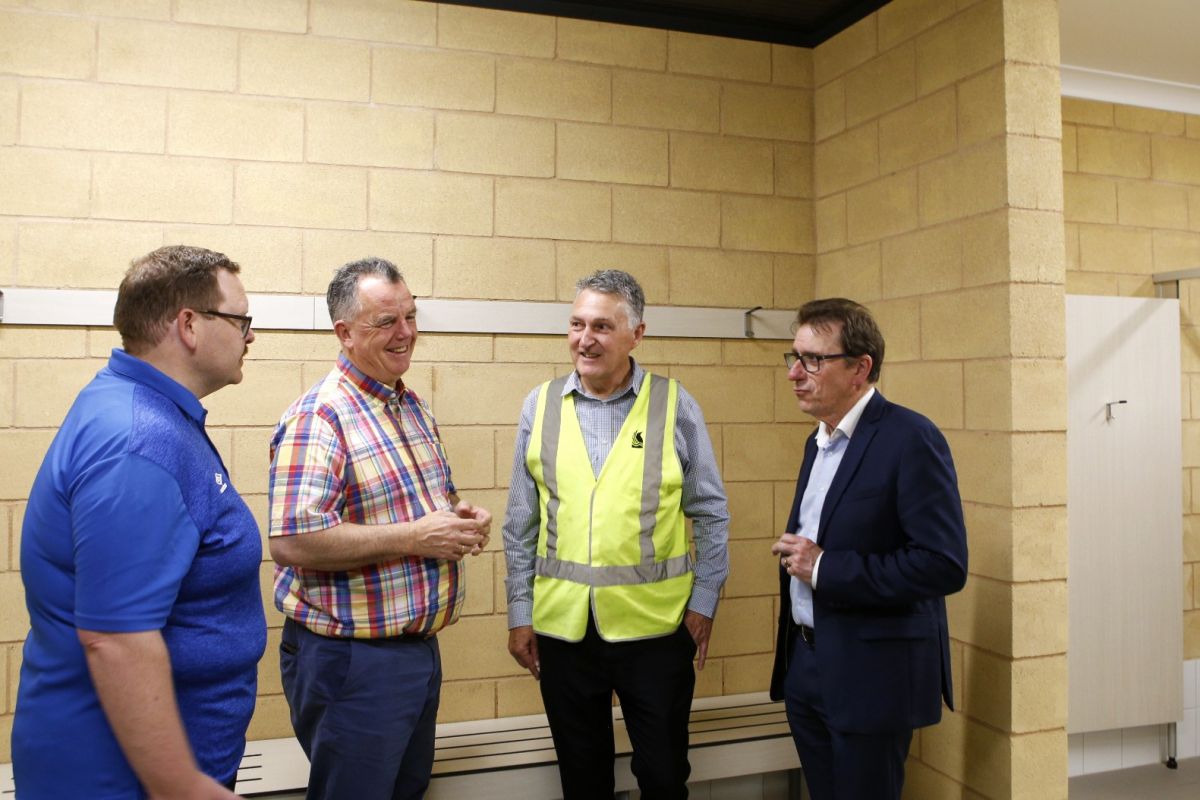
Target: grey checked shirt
703	501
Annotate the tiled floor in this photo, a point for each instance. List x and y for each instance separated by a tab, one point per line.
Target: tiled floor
1151	782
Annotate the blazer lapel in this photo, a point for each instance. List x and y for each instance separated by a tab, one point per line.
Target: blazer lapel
868	425
810	457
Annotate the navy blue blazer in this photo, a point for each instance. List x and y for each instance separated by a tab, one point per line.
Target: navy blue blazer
894	546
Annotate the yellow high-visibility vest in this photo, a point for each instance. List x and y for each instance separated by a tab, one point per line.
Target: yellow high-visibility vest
617	541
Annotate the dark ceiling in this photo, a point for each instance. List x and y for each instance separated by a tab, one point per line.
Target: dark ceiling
805	23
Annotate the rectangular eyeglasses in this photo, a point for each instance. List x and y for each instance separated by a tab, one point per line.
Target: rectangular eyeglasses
811	363
240	320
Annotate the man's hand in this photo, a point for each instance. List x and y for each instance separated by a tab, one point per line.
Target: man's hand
201	788
446	535
132	676
481	515
797	555
700	627
522	643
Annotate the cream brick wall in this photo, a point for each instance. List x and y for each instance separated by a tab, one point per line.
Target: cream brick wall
937	202
1122	229
485	167
491	155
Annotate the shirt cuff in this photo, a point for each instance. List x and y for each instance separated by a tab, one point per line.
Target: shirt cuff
520	614
703	601
816	566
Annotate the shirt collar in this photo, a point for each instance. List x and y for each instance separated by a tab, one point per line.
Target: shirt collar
636	376
145	373
849	421
366	383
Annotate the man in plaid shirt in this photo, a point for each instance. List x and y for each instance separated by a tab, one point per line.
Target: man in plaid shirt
368	535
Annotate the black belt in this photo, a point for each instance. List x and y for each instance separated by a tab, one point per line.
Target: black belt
399	637
808	635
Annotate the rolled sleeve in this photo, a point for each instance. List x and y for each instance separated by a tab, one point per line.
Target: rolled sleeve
307	462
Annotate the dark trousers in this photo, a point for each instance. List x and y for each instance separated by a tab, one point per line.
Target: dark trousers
653	679
838	765
364	711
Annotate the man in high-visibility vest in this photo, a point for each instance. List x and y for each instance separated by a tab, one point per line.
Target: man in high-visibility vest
604	594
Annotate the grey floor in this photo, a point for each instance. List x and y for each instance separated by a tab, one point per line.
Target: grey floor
1152	782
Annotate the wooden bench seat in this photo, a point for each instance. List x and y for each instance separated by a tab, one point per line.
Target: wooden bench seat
514	757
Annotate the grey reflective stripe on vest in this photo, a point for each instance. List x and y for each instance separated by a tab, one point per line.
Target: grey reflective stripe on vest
551	423
649	570
656	426
614	576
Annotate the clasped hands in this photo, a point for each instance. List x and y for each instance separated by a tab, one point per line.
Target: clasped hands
453	535
797	555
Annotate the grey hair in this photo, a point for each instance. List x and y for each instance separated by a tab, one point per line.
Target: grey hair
622	284
342	294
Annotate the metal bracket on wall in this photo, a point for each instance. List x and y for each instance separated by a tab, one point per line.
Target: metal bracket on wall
748	322
1166	284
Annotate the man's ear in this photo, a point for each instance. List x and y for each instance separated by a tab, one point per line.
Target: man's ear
638	333
344	333
185	328
865	365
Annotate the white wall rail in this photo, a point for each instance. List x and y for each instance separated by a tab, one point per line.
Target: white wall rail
75	307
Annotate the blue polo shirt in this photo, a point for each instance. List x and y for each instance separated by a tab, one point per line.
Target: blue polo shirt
132	525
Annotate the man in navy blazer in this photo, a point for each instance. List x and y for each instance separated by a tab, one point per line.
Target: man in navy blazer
875	541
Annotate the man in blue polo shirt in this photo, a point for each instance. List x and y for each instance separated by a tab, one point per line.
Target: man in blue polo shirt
140	560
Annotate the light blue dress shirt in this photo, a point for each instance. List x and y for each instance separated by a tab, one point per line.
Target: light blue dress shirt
831	446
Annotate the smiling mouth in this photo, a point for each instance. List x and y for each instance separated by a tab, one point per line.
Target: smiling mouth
398	350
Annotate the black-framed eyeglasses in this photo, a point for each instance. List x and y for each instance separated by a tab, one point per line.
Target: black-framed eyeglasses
240	320
811	363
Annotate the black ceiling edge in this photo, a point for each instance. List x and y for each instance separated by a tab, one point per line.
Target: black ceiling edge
652	15
846	17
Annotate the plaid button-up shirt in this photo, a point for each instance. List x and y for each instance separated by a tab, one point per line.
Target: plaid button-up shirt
354	450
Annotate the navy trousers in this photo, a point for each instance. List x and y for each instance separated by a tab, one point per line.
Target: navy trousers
364	711
653	679
838	765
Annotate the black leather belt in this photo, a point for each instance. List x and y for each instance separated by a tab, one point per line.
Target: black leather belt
399	637
808	635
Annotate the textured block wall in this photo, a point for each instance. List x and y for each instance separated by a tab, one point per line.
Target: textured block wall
491	155
938	202
1132	188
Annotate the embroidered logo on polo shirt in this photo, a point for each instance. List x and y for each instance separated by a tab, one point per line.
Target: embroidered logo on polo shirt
220	479
638	442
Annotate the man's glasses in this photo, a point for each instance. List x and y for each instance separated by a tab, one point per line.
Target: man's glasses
240	320
810	363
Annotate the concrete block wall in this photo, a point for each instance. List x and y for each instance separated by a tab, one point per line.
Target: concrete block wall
911	162
937	201
1131	180
491	155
